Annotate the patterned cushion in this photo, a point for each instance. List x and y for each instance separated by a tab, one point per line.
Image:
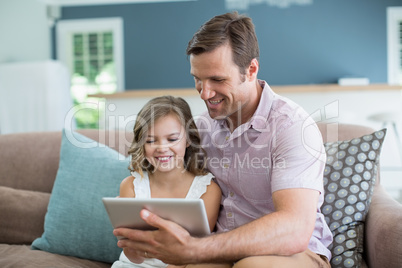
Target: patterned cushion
349	180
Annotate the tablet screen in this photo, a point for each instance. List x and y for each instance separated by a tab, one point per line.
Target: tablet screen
188	213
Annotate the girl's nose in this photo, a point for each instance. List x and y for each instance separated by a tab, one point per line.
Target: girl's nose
162	148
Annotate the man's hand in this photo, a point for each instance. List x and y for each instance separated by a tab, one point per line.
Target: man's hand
170	243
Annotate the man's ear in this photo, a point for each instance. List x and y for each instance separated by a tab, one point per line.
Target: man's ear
252	70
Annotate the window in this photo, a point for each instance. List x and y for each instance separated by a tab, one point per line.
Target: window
92	49
394	36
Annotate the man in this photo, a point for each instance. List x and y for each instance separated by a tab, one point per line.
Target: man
267	156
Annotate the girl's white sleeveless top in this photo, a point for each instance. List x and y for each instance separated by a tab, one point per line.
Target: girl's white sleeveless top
142	189
197	189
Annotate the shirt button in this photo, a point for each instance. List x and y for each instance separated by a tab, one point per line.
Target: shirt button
226	165
227	137
230	214
231	194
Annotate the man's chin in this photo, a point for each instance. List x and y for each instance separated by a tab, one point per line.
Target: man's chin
215	115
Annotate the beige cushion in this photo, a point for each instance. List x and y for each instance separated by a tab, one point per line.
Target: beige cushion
23	256
22	215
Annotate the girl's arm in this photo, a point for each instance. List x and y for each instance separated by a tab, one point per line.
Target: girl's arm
127	187
212	200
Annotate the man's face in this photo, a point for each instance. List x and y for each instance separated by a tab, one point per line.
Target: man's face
224	89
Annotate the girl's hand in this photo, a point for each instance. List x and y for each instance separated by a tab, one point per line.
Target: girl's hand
133	257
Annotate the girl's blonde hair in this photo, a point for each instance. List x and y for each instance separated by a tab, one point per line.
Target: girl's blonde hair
195	156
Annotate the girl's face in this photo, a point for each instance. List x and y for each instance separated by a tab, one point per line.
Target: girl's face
166	144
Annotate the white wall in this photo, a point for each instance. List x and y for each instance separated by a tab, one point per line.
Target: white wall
24	31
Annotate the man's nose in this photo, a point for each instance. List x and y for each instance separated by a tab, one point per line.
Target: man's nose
206	91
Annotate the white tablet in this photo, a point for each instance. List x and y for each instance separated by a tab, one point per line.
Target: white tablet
188	213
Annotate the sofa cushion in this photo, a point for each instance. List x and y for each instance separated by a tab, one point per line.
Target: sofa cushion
22	256
22	215
349	178
76	222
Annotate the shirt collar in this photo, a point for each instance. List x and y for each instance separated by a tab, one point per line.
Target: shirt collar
259	121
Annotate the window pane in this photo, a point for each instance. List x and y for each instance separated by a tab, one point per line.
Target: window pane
108	43
79	67
93	44
78	44
93	70
90	56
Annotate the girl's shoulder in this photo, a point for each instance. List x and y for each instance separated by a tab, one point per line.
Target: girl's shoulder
137	175
202	184
127	187
130	185
205	179
141	184
209	181
127	180
130	179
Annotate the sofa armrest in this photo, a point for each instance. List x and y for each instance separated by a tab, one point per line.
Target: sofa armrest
383	231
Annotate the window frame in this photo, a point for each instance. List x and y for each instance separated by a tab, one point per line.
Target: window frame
394	17
65	28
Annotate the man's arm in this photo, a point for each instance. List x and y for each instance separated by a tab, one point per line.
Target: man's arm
285	232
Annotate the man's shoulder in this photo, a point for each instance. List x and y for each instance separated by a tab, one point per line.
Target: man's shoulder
283	106
280	104
284	112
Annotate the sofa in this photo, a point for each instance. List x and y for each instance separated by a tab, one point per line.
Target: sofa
29	164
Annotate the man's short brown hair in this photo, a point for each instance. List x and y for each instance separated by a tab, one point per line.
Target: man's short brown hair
237	30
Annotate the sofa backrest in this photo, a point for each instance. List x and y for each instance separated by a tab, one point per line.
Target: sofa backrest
340	132
29	161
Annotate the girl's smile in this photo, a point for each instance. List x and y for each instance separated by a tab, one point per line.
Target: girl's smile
166	144
163	158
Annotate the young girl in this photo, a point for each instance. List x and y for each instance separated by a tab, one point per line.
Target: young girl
168	162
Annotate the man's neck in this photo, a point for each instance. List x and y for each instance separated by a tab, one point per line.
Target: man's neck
245	111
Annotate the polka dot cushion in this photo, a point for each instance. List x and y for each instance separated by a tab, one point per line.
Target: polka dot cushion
349	179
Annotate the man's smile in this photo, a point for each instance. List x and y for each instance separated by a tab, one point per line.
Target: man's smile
215	102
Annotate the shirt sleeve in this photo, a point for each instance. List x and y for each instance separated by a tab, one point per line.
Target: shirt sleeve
298	157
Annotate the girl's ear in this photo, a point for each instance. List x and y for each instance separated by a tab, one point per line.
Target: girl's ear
187	145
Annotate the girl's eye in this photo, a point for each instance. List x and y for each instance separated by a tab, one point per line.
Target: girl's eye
173	140
149	141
